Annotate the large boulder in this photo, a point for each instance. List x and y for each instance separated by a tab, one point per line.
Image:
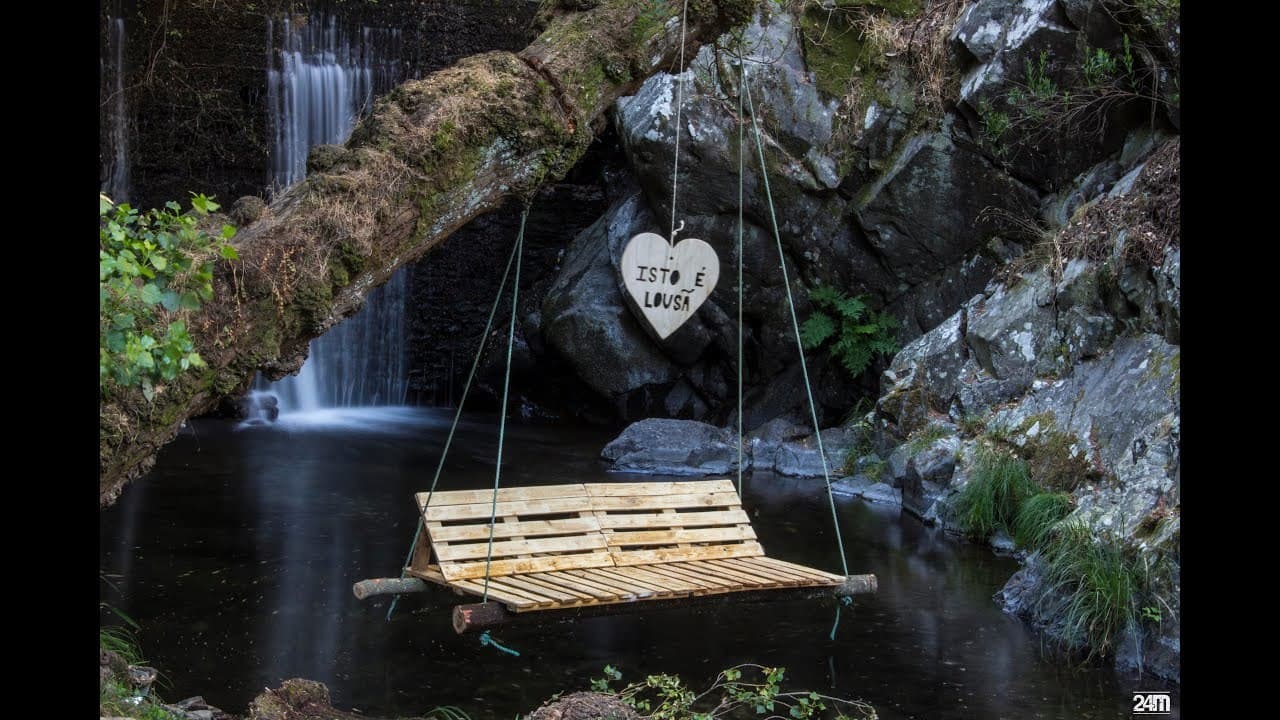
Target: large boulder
673	447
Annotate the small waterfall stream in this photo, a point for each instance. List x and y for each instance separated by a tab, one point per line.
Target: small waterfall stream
323	78
116	183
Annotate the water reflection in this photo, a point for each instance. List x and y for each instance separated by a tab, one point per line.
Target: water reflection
239	550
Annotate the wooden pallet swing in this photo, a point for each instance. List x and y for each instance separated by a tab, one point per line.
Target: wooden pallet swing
580	549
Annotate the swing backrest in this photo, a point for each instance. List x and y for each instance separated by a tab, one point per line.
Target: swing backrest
656	522
579	526
537	529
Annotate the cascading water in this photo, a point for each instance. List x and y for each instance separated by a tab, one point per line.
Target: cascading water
116	183
323	78
321	82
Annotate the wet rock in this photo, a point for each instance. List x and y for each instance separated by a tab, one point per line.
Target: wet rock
764	442
584	706
247	210
800	458
854	485
296	699
883	493
673	447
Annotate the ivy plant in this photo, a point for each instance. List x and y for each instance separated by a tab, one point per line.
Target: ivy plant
155	268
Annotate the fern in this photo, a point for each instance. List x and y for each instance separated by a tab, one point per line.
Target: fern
859	334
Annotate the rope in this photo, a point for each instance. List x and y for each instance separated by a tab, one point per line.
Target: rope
795	324
457	416
486	640
846	600
675	169
502	414
742	78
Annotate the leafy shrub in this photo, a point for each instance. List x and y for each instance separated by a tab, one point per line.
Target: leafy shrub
856	334
154	269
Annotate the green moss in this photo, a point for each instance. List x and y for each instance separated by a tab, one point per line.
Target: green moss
836	49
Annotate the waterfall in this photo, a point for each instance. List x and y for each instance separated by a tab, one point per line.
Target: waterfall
321	80
116	184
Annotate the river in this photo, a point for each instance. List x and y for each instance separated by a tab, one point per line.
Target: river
236	556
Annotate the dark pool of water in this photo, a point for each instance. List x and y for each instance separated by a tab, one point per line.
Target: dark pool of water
236	555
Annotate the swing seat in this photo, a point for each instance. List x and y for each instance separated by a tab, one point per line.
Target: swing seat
587	544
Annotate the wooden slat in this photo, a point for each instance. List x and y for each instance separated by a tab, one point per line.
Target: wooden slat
697	583
507	548
671	537
659	502
663	582
808	571
521	528
561	595
803	576
748	579
665	555
512	494
641	590
523	508
653	588
517	566
579	585
508	595
659	488
624	589
736	516
767	573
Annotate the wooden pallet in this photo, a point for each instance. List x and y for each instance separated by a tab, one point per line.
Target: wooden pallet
590	544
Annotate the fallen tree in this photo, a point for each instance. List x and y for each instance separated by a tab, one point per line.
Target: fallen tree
434	154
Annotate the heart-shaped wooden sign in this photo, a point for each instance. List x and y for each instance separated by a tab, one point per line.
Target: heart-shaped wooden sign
668	283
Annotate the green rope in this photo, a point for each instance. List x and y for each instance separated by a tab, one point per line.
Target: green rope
846	600
457	416
486	640
742	67
502	413
795	324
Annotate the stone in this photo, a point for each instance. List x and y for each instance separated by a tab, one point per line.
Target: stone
764	441
247	210
800	458
853	486
882	493
673	447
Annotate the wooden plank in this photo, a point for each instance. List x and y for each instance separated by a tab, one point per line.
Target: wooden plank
511	494
815	573
524	582
623	589
735	533
524	528
641	590
665	555
577	585
511	596
661	582
660	488
431	573
507	548
659	502
687	519
522	508
746	578
713	581
517	566
761	571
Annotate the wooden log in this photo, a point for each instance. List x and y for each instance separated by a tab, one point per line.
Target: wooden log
387	586
472	617
857	585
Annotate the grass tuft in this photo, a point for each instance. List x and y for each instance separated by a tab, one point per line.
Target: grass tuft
991	499
1037	516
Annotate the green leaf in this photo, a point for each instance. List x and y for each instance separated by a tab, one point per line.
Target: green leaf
229	253
104	205
150	294
158	262
816	330
228	232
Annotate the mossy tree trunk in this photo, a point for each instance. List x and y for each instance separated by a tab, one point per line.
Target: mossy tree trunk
434	154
